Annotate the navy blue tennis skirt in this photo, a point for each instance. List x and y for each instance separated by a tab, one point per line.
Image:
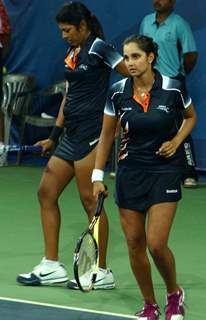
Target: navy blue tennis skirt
73	149
138	190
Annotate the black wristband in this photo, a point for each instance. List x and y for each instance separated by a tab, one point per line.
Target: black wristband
56	133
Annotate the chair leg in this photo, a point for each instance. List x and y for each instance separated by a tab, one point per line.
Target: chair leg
21	140
7	129
1	126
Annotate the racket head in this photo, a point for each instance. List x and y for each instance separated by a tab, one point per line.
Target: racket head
85	261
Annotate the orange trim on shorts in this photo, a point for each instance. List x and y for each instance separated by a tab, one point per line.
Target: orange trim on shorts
145	102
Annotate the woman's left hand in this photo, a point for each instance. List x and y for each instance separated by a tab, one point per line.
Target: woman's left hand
167	149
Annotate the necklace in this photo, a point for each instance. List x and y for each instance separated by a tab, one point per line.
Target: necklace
142	91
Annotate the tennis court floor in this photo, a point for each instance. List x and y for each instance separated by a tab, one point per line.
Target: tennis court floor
22	246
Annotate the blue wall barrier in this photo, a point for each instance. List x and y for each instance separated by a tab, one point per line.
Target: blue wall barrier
37	47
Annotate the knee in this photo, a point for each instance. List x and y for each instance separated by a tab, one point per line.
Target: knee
88	203
42	193
135	245
156	249
45	194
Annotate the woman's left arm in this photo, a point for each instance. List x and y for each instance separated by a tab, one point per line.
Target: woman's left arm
188	124
169	148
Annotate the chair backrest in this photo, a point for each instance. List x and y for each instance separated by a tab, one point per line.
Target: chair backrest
17	93
55	88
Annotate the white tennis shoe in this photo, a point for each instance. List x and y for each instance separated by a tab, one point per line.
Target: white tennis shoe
47	272
104	280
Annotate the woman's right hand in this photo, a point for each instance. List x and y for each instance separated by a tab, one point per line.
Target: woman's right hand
98	187
46	145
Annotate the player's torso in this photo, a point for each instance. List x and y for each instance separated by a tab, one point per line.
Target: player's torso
88	85
144	132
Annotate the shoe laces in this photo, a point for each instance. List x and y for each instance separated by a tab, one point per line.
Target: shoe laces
175	302
149	310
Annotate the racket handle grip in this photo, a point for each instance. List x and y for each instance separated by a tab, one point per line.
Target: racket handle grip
100	201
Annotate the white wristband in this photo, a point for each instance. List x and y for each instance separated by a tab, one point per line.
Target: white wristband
97	175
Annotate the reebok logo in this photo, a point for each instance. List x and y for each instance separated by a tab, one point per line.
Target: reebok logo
171	191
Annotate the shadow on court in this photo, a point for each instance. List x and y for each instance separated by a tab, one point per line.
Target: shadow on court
20	310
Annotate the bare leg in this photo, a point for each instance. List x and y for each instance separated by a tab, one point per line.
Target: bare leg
83	172
160	218
56	176
133	224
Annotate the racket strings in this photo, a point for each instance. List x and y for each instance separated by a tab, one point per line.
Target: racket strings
86	257
87	260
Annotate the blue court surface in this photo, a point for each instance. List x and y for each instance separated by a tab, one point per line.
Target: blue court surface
12	309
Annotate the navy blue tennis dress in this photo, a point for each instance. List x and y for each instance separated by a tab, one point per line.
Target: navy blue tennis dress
88	76
145	178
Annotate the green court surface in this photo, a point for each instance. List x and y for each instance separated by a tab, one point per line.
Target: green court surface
21	247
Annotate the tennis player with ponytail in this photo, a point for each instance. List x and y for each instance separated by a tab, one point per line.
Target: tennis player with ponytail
149	169
87	69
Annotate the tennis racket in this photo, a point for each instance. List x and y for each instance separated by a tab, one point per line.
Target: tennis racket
17	148
86	254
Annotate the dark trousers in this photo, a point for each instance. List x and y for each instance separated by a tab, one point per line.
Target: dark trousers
189	154
189	161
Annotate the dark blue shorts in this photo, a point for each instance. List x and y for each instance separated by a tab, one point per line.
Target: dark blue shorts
138	189
72	149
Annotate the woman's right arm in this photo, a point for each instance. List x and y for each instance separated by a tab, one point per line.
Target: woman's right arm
103	151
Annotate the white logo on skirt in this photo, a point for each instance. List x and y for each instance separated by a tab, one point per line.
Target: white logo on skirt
172	191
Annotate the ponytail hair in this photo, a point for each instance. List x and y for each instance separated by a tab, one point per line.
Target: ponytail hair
75	12
96	27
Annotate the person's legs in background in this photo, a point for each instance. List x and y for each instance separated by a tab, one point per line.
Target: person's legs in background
190	176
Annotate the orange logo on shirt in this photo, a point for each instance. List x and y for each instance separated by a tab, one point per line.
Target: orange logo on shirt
71	58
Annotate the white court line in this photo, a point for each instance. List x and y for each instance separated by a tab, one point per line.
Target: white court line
68	308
